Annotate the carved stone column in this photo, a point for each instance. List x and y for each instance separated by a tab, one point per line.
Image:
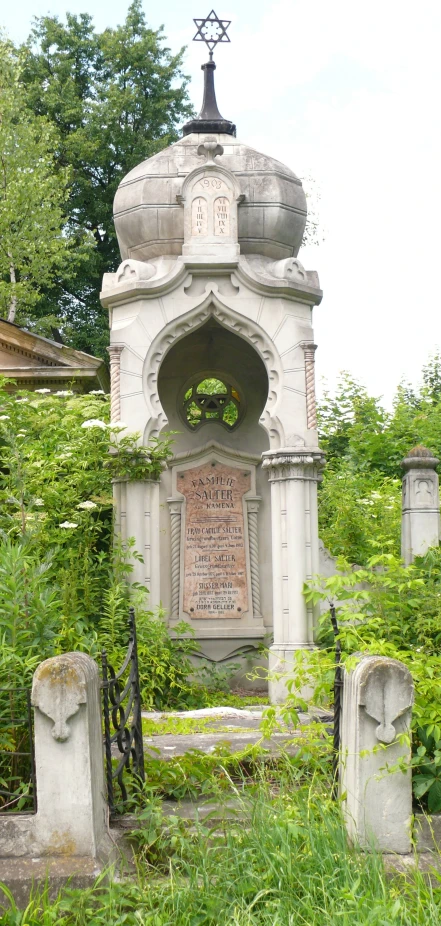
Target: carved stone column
253	540
293	474
115	351
175	507
311	411
420	521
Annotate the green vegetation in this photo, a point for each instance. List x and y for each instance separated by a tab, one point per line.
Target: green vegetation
78	110
34	250
278	860
183	726
284	858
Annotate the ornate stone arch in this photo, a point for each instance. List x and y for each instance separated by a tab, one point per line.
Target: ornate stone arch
249	330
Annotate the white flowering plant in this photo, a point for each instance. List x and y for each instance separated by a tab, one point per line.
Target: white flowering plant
56	506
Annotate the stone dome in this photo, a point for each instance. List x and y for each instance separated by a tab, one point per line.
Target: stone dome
149	221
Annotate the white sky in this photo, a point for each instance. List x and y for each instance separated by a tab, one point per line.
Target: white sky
348	94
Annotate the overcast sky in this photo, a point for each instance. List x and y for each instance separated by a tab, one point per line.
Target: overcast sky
347	94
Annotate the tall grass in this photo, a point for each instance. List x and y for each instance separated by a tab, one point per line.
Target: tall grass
283	862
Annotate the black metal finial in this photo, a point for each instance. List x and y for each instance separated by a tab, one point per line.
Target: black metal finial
211	30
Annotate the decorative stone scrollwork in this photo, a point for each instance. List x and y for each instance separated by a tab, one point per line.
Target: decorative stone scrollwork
131	270
289	269
115	351
253	539
175	507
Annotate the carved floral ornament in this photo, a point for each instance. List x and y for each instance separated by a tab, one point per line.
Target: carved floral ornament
245	328
293	464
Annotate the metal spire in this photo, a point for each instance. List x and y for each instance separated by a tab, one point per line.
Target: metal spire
211	30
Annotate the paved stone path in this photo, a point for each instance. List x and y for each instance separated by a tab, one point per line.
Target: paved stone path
244	731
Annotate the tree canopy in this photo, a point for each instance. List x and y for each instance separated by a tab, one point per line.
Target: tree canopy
107	100
34	250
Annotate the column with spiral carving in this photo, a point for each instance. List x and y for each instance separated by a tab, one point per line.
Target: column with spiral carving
115	351
175	507
311	412
253	541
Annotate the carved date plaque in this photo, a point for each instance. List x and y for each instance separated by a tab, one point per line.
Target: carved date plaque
215	563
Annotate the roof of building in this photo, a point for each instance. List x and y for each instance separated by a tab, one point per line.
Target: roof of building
32	360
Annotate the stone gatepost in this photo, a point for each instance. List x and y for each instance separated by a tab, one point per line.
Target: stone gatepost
420	522
293	476
71	805
377	707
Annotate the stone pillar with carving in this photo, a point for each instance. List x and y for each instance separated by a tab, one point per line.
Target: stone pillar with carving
71	818
175	508
377	708
309	350
420	521
293	475
253	541
115	351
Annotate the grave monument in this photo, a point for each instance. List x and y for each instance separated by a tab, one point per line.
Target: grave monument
211	337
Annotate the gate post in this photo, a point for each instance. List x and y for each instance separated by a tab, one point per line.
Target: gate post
377	707
72	812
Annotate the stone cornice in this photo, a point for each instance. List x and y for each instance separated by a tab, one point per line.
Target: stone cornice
131	290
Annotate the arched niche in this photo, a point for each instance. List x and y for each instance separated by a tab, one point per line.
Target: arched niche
213	353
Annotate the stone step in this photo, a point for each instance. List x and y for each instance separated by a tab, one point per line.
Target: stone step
21	875
178	744
243	733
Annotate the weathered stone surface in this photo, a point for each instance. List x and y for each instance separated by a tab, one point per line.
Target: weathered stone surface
72	811
149	220
427	832
377	803
420	523
22	876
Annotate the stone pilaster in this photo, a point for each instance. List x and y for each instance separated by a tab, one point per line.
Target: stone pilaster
175	508
293	475
115	351
309	350
253	540
420	521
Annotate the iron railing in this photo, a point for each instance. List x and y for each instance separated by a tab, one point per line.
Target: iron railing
18	793
338	690
124	750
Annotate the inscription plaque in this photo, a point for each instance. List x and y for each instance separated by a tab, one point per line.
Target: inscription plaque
221	216
199	216
215	566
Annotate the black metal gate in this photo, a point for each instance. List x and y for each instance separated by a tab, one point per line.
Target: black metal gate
338	690
123	744
17	767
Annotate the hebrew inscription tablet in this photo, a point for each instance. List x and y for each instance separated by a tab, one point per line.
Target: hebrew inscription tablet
215	564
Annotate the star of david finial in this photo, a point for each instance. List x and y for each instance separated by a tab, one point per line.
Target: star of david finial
211	30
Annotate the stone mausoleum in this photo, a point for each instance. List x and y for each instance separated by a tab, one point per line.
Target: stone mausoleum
211	337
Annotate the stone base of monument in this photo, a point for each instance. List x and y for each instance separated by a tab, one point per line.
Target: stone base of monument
282	666
23	876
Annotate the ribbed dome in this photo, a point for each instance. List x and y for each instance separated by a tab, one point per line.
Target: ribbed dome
149	221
